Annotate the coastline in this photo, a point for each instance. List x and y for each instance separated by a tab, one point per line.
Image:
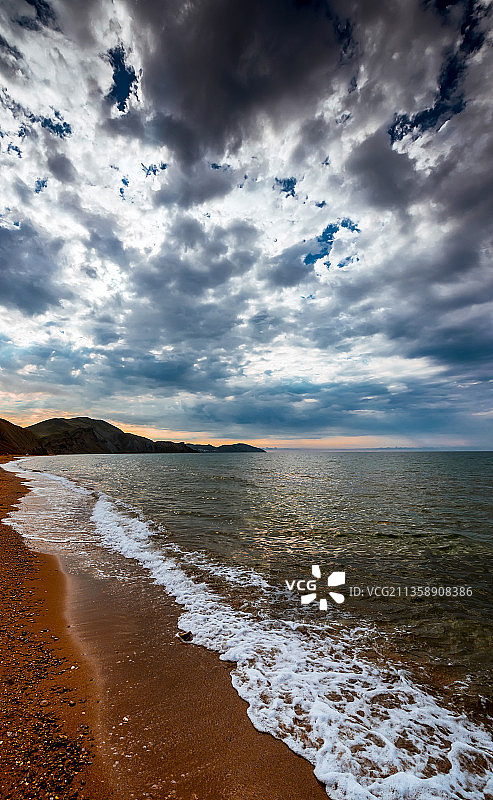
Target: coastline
147	716
48	695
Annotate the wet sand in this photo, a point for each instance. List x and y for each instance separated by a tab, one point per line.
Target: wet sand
47	696
163	720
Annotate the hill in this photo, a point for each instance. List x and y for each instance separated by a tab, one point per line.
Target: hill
60	436
85	435
171	447
15	440
239	447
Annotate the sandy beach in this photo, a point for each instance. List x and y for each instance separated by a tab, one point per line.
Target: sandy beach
100	699
47	701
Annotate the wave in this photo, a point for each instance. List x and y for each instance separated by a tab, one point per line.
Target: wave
370	733
20	469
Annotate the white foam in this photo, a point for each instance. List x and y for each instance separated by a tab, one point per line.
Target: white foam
53	507
233	575
370	734
30	476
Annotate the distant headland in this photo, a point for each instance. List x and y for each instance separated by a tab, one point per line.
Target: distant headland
78	435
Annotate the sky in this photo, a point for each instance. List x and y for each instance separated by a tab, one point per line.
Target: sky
266	221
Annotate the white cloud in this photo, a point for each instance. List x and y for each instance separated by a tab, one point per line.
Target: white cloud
127	289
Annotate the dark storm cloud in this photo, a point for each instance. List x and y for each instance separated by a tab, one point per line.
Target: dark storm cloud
214	66
194	185
289	268
450	99
62	168
264	326
178	308
41	15
151	372
462	184
427	305
28	269
5	47
189	299
210	68
314	134
387	179
363	407
199	306
454	330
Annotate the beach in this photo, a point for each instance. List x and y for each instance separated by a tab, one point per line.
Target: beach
47	706
386	694
246	451
99	699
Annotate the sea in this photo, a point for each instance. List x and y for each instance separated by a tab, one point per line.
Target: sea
351	592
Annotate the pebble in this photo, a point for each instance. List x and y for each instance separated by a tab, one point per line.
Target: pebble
38	759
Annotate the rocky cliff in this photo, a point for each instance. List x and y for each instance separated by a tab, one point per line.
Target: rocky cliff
86	435
15	440
76	435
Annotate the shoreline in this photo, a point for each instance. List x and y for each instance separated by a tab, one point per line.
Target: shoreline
48	696
150	717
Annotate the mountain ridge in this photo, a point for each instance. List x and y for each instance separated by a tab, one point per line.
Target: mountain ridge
84	435
15	440
238	447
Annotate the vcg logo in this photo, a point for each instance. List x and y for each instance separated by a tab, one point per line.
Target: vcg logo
310	587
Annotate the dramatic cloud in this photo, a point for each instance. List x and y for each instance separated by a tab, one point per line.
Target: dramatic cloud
28	267
258	219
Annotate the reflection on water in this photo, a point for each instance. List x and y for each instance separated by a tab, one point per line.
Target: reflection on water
386	519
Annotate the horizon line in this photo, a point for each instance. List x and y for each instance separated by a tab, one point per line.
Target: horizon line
333	442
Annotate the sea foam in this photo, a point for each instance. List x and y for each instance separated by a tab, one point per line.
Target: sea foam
369	732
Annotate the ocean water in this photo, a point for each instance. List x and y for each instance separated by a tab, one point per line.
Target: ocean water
382	682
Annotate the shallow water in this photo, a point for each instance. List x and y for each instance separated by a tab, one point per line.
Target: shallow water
368	689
